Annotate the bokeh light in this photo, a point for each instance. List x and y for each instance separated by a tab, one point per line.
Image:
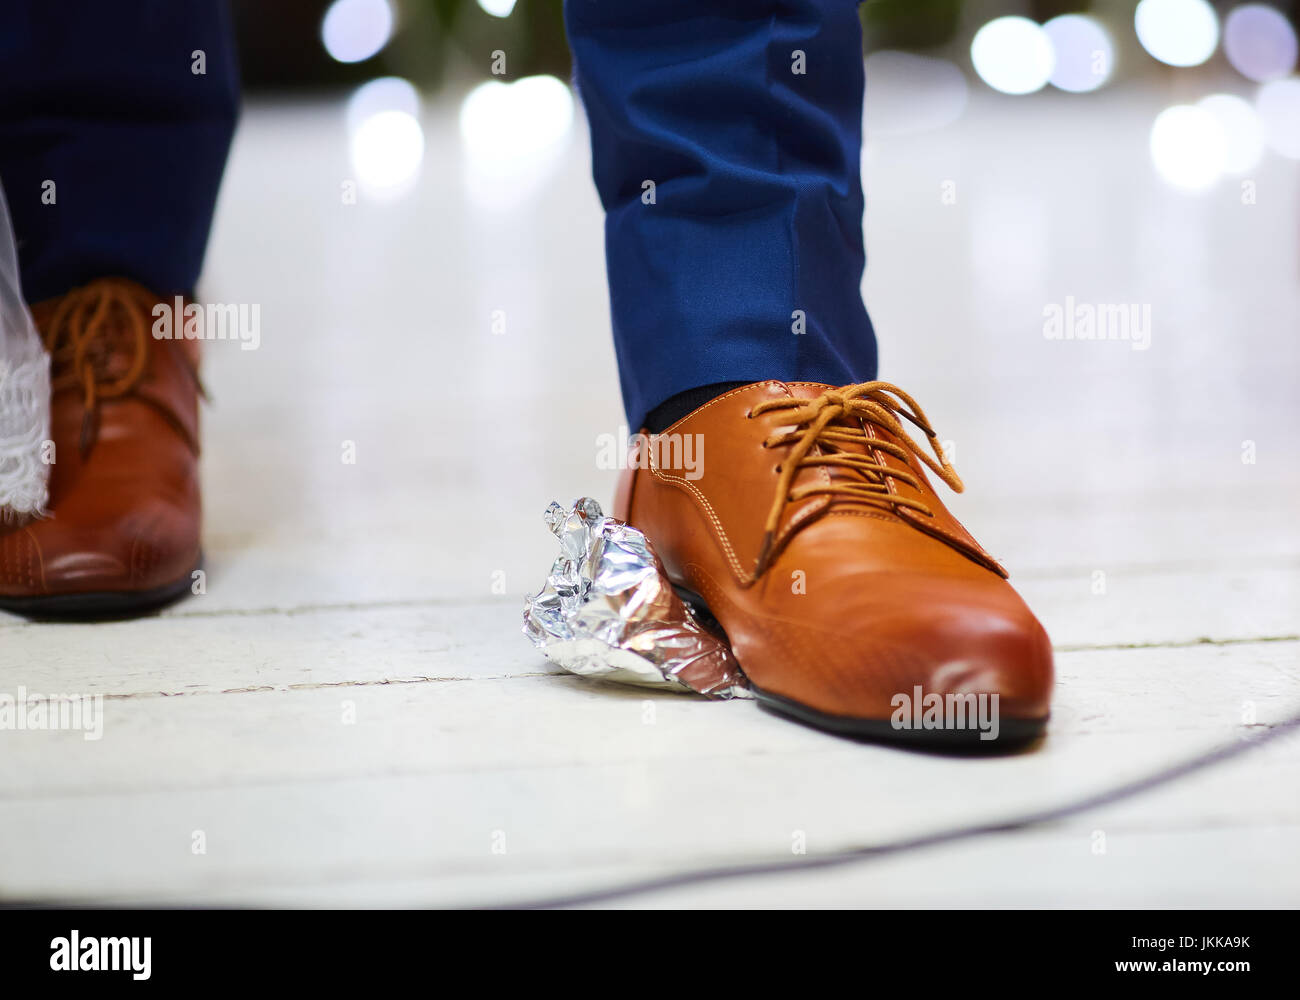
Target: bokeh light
500	121
1259	42
497	8
1177	32
386	140
388	93
1188	147
354	30
1085	56
1013	55
512	134
1243	141
1278	106
387	150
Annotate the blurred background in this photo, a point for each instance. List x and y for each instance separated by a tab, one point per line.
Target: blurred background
388	186
375	48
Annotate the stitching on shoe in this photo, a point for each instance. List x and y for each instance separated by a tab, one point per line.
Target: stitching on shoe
746	579
38	560
719	399
725	541
133	561
862	513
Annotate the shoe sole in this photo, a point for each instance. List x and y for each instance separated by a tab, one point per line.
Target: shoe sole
1012	733
105	605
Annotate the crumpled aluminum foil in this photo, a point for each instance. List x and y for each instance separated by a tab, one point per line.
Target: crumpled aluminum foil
608	610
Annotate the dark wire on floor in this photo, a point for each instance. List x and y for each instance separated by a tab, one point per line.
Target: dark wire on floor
851	855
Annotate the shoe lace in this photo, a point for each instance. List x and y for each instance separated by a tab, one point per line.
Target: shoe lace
77	338
830	422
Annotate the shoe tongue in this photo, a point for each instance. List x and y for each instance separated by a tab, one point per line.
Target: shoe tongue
112	348
942	525
864	432
734	478
168	380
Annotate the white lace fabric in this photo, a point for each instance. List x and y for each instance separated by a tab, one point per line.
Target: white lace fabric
24	393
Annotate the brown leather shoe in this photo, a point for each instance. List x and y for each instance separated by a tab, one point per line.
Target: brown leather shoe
123	535
850	595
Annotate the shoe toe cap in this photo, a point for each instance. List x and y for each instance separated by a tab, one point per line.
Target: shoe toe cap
146	547
861	658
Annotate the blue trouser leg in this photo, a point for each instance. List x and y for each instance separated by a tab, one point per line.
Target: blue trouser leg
111	145
755	215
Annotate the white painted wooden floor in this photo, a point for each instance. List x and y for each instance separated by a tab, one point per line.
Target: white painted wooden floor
1111	481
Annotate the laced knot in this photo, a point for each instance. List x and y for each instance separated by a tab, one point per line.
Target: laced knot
828	430
84	337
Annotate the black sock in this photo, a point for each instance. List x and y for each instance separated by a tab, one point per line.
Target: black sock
674	408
